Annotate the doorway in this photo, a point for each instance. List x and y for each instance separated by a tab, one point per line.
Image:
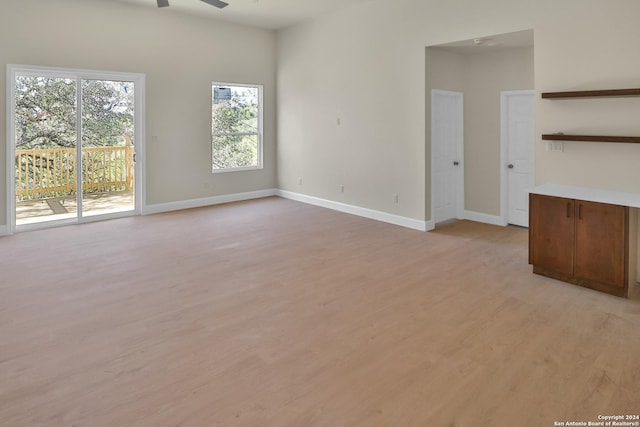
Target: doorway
75	138
517	136
481	68
447	151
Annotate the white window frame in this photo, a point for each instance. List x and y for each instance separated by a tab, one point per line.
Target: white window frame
259	133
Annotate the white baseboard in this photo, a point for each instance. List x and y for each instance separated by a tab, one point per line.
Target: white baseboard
482	217
356	210
4	230
206	201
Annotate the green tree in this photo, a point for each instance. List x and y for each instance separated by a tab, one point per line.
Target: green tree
107	113
46	112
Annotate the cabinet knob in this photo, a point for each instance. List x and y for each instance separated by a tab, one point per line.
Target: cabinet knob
455	163
510	166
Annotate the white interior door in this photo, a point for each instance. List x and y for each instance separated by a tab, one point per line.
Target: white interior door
447	155
518	137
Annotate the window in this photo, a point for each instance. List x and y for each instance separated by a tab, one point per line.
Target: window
236	127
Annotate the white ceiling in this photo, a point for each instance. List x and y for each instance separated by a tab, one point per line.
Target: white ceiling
269	14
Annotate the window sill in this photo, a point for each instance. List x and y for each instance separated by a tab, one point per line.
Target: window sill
247	168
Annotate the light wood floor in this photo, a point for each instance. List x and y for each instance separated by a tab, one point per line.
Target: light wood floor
276	313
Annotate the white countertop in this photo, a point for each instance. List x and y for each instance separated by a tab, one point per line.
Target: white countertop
589	194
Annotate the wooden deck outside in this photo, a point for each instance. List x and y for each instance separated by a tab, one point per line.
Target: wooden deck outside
46	182
33	211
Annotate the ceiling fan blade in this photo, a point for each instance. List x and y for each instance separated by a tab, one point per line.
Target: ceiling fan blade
163	3
217	3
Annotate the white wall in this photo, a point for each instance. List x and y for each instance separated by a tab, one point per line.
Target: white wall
594	46
179	54
367	64
354	66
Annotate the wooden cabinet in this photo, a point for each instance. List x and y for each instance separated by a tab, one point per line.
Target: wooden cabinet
551	233
600	243
581	242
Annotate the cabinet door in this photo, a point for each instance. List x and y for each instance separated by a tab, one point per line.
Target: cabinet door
601	243
551	233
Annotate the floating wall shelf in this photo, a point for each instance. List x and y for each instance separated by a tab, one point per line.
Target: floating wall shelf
591	138
606	93
592	93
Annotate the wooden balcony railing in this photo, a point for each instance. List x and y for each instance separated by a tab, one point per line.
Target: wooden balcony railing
51	172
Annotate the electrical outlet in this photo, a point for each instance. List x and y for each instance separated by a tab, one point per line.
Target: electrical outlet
555	146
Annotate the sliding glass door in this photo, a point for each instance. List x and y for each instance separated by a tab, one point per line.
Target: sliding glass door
45	114
76	138
107	154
